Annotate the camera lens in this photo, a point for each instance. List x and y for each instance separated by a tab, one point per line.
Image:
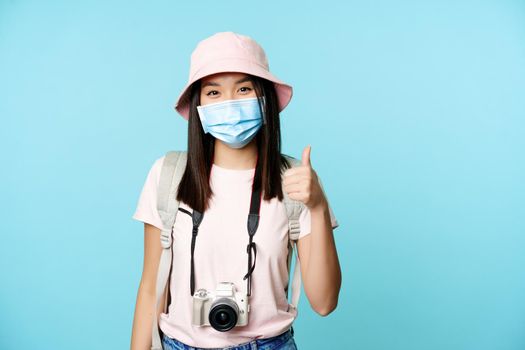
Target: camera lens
223	314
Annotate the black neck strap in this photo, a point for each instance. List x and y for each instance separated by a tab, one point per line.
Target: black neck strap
197	218
252	225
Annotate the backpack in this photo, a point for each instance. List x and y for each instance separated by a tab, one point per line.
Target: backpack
171	173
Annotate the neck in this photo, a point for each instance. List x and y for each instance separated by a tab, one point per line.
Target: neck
235	158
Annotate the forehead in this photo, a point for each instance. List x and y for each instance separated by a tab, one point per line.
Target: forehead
225	76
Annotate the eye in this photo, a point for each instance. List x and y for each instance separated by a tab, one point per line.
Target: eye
247	89
212	92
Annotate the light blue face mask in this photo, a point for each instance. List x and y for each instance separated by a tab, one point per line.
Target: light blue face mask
234	122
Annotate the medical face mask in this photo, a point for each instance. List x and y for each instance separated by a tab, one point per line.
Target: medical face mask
234	122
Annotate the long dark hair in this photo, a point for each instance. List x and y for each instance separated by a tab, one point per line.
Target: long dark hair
194	188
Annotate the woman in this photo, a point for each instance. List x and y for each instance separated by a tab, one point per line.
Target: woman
232	103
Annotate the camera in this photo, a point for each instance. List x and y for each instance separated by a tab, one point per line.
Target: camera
222	309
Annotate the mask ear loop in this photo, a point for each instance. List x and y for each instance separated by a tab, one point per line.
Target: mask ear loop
263	111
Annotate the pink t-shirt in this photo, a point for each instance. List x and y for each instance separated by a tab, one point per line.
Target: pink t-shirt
220	255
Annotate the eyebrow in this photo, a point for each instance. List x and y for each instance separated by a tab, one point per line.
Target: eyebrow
212	83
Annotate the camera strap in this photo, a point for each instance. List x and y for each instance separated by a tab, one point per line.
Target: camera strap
252	225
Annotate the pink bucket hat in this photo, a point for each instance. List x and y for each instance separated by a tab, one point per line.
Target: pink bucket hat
230	52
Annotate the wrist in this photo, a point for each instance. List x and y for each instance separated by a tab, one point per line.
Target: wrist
320	207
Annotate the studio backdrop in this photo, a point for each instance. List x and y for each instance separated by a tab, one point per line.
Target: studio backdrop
414	111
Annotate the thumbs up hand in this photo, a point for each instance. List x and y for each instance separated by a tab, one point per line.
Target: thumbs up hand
302	184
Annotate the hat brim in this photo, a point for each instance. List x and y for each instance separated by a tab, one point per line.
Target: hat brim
284	91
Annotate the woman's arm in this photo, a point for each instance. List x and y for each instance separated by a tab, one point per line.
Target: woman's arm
146	296
320	270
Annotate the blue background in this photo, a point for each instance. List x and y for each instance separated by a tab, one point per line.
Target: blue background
415	113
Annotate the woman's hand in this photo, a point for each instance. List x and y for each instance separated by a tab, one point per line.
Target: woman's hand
302	184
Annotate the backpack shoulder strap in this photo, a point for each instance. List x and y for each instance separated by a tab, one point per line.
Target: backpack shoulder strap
293	207
171	173
167	205
293	211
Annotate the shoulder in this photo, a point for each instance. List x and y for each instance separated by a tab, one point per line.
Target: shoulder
170	159
288	157
173	158
157	164
155	170
291	161
158	161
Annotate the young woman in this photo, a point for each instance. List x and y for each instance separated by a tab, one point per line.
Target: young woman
232	103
